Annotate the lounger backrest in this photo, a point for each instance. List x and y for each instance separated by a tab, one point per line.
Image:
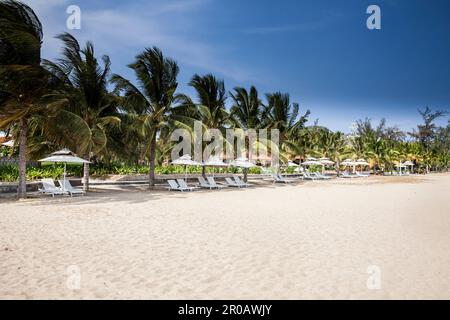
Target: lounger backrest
173	184
229	181
48	184
202	181
280	177
66	185
182	183
238	180
211	181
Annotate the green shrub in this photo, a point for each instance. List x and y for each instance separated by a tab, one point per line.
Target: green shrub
255	170
10	173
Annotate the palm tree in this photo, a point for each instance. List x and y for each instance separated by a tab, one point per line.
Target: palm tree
376	149
83	124
210	107
282	115
246	112
247	108
332	145
23	82
211	96
153	98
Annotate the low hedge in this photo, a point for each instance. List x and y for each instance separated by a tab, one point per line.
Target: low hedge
10	173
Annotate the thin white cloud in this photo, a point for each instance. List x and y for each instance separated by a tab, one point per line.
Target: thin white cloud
170	25
179	6
300	27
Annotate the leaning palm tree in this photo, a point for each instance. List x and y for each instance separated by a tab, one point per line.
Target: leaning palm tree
247	108
332	145
376	149
280	114
246	112
211	95
210	107
91	110
23	82
153	98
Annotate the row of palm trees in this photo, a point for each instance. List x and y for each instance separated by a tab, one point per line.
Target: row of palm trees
47	105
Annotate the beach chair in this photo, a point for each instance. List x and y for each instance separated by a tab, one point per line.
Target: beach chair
239	182
345	174
278	178
309	176
316	175
275	178
48	187
213	183
183	185
173	186
204	184
66	186
321	176
231	183
362	175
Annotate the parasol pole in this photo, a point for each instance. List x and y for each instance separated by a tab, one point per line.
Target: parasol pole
65	173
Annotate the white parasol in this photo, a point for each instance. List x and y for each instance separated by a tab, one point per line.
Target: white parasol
64	156
185	161
9	143
243	163
215	162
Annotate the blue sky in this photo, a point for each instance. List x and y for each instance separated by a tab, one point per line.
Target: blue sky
321	51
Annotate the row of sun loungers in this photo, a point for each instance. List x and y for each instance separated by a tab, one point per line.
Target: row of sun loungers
315	176
209	183
278	178
49	187
395	173
347	175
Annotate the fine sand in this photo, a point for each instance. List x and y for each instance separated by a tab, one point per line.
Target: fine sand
376	238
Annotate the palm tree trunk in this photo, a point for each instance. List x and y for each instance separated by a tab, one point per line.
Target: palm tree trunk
245	174
203	171
86	173
22	187
338	168
151	174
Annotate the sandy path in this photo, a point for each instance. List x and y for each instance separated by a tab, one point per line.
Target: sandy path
310	240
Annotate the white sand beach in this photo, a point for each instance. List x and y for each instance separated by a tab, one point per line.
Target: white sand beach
311	240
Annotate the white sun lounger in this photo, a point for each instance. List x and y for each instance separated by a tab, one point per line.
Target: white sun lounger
173	186
283	179
363	175
278	178
309	176
204	184
213	183
48	187
231	183
183	185
347	175
239	182
66	186
321	176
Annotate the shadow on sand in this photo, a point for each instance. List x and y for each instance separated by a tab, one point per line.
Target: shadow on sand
130	194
